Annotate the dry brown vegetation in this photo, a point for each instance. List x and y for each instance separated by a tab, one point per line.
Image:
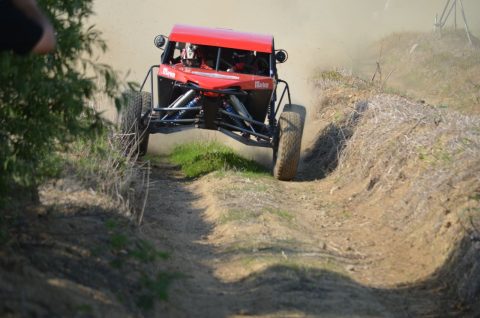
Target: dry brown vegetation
109	165
441	68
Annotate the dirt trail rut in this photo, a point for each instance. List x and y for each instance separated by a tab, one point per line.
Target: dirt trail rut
260	248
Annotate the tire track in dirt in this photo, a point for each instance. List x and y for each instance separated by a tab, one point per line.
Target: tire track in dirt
173	220
288	258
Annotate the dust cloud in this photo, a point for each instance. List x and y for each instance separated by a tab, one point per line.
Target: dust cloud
316	33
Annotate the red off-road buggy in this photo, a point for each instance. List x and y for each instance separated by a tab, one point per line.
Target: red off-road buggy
221	80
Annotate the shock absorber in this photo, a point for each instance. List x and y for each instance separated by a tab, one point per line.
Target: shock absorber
183	113
180	102
241	110
229	109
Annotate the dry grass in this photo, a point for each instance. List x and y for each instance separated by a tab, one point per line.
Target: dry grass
343	98
388	140
398	140
110	165
441	68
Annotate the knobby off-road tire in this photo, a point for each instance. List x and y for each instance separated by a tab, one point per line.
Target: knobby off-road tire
135	132
288	142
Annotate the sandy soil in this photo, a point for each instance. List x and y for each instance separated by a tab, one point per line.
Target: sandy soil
297	250
253	264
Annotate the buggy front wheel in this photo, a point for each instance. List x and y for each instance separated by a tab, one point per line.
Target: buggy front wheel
134	131
287	143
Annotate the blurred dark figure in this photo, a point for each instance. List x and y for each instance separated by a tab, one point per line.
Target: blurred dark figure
24	28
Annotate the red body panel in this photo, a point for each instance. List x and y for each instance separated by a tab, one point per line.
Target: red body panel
222	38
211	79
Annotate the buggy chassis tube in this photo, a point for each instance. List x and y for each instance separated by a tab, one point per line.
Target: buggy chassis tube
245	141
150	74
227	91
285	90
173	121
176	109
253	121
221	123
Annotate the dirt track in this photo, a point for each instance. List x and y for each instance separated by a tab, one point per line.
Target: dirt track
250	268
290	252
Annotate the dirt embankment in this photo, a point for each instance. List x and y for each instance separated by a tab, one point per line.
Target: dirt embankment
414	169
76	254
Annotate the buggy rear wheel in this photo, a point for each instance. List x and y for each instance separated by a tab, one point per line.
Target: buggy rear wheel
131	126
288	141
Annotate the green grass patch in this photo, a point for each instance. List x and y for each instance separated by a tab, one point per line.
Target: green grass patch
118	241
144	251
130	252
199	158
282	214
255	175
238	215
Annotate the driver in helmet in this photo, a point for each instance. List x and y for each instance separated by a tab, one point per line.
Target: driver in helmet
192	56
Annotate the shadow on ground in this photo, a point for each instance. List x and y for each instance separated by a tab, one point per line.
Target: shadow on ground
287	289
282	290
75	256
62	265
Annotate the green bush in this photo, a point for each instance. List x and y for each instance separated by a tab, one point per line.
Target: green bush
43	98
